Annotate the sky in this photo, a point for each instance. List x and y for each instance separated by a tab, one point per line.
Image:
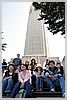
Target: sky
14	26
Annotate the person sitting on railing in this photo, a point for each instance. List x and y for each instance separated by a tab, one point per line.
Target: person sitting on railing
54	78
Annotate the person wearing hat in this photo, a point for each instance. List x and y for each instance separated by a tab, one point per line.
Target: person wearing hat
39	77
23	81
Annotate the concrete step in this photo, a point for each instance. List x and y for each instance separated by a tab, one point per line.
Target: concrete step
44	89
46	94
41	94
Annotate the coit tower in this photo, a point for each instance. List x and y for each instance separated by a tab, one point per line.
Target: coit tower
35	42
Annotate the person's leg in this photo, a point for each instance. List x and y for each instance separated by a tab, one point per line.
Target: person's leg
50	84
38	83
56	82
27	87
15	90
4	85
62	84
41	83
10	85
33	80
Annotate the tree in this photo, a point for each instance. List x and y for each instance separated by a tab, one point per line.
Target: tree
53	13
3	45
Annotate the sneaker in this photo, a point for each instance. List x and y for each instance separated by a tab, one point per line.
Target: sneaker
7	92
40	89
37	90
52	90
63	95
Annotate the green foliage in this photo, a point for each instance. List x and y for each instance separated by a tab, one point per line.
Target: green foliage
3	45
53	13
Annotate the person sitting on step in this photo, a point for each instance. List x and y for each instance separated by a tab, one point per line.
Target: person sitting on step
39	77
23	81
54	78
7	81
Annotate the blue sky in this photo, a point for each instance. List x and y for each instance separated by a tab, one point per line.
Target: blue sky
14	25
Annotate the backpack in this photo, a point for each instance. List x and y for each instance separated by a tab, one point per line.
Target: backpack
21	94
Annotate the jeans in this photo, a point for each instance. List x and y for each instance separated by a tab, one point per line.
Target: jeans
7	85
49	83
39	83
61	82
27	87
33	80
58	82
16	89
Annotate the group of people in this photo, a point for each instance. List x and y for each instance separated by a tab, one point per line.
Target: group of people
32	76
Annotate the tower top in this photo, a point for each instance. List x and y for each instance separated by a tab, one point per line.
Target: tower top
32	8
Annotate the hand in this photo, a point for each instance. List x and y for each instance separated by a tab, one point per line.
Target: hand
22	85
3	75
55	75
51	76
6	78
38	76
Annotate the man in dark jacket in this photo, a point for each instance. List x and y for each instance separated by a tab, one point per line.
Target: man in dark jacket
17	61
54	77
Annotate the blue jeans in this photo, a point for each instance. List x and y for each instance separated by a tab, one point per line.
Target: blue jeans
33	80
16	89
7	85
39	83
58	82
27	87
49	83
61	82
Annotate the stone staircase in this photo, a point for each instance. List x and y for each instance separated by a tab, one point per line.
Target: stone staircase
39	94
42	94
46	94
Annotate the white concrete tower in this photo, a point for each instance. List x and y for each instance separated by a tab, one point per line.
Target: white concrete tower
35	43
